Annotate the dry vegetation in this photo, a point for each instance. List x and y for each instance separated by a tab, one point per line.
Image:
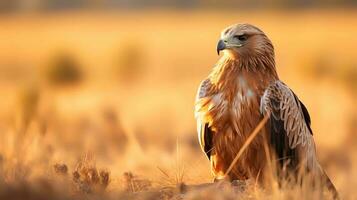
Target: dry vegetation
100	106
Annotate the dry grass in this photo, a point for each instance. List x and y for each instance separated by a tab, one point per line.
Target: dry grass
134	111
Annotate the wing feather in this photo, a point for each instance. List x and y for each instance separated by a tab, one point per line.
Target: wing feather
290	131
203	130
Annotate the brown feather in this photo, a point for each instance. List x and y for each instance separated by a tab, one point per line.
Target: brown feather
231	108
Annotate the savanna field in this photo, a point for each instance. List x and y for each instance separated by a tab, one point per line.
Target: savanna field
99	105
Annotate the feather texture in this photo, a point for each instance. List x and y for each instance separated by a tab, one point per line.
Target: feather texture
290	132
287	111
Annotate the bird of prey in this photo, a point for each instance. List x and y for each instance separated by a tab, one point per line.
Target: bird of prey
243	88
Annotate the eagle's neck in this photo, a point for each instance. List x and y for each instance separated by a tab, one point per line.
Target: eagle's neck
229	71
222	73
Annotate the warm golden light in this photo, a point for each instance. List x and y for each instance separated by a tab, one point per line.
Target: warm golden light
95	99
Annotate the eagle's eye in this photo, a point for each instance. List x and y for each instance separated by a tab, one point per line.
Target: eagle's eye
241	37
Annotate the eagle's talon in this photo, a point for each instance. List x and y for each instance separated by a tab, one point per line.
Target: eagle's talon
221	179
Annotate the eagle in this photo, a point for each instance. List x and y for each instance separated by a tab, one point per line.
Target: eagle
242	89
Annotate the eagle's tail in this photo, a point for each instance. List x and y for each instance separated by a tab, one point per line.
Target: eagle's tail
329	185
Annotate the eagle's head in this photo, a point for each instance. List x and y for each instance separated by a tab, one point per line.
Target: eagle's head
241	41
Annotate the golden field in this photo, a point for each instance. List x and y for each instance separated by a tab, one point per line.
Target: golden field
100	105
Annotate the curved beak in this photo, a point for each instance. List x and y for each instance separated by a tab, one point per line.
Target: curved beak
221	46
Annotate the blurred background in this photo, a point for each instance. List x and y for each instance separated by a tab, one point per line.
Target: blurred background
117	79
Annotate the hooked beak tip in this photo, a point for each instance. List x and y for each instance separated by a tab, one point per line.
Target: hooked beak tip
220	46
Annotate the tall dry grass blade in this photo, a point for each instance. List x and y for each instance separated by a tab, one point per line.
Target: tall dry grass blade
180	168
247	142
166	177
177	174
272	168
163	172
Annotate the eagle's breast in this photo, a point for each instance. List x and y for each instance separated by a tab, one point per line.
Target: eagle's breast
231	109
